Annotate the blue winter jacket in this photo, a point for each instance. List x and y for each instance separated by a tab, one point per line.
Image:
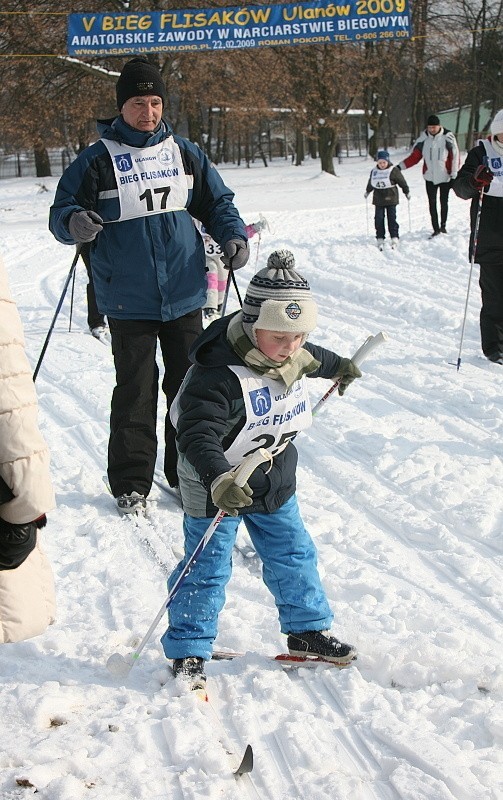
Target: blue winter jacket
151	267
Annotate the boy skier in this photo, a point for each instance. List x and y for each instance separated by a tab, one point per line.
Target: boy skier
246	390
383	181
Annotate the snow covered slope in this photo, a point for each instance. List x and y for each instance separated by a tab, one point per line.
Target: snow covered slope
400	483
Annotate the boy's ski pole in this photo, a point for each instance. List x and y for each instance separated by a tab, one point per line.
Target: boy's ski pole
120	665
359	357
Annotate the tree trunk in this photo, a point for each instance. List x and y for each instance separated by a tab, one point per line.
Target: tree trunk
326	144
299	147
42	162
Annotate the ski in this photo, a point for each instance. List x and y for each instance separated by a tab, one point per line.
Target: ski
141	513
136	520
239	766
104	338
285	659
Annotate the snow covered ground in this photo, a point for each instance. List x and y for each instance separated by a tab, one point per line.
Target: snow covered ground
400	483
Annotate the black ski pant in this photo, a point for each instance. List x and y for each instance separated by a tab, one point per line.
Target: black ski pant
132	448
431	190
390	211
491	313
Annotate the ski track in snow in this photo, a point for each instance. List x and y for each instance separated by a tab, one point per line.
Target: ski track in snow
399	483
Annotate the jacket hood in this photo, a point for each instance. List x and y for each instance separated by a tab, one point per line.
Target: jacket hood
119	131
211	348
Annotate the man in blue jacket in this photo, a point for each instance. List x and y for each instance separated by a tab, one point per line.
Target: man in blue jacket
133	194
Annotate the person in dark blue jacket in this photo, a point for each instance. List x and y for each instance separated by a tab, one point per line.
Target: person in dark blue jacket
245	391
133	194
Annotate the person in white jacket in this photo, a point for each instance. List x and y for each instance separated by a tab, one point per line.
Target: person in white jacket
438	148
27	597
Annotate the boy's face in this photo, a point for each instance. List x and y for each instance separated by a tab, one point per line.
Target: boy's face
277	345
382	163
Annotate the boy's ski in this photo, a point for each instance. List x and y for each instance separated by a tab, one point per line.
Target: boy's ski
239	766
285	659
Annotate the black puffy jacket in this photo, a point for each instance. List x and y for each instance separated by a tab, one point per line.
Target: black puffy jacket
490	234
212	413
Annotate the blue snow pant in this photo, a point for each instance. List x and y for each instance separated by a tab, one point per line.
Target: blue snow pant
390	212
289	570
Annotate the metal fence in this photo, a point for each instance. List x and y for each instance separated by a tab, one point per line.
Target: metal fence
21	164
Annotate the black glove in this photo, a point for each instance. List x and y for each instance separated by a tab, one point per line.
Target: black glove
84	226
16	542
481	178
347	372
236	253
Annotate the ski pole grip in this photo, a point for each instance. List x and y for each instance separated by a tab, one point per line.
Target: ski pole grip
250	464
358	358
366	348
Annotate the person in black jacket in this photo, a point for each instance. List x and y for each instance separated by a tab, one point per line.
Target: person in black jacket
481	180
383	181
247	390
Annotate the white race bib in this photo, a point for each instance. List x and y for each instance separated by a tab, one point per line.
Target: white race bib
379	178
273	415
150	180
495	164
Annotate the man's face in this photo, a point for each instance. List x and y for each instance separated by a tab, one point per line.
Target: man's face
433	129
143	113
499	137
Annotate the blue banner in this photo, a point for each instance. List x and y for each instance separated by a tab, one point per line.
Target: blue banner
316	22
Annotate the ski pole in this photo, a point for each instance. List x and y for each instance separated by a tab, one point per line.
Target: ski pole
120	665
58	309
72	293
370	343
258	249
230	277
367	213
472	261
410	224
237	289
226	294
